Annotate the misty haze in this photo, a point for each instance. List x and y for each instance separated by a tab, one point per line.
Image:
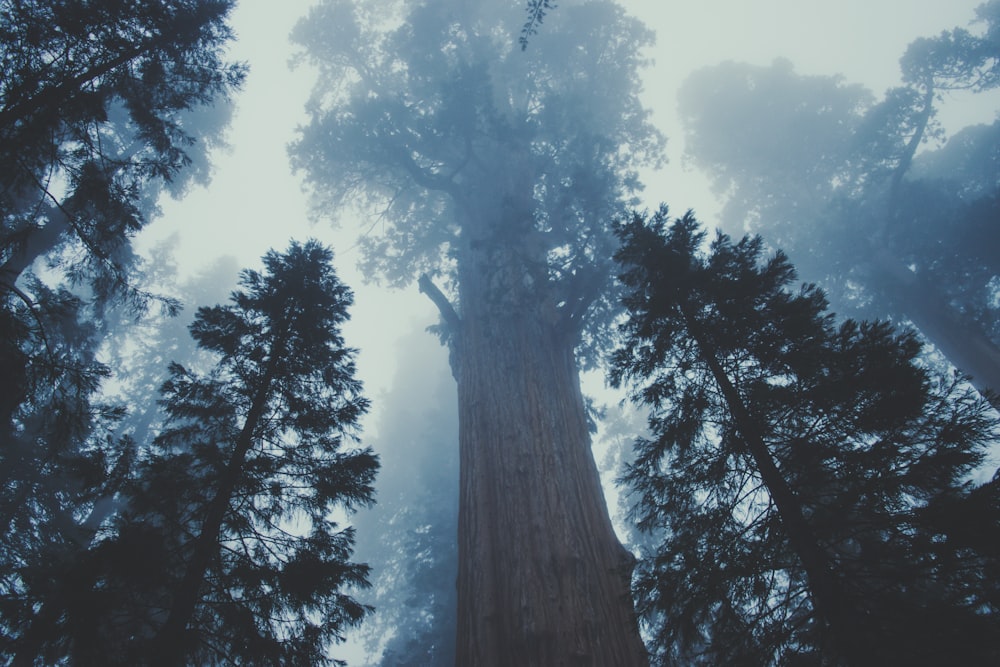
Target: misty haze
499	333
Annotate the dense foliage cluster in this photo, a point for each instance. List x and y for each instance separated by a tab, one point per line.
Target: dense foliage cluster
102	106
805	481
460	144
226	548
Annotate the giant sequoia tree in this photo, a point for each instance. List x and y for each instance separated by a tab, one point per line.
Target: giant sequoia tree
498	170
833	175
806	481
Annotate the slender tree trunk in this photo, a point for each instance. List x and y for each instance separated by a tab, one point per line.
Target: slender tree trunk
827	598
961	340
543	580
169	644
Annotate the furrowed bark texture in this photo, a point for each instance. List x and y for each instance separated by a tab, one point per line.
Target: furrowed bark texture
543	579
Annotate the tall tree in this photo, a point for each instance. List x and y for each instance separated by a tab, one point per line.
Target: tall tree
794	469
228	551
834	176
499	169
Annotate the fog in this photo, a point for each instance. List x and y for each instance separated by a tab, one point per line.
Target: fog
458	177
766	132
812	53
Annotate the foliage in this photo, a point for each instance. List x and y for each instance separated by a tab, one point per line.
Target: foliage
140	350
228	550
806	480
536	9
718	103
455	142
958	58
834	176
100	106
96	101
96	105
408	539
88	108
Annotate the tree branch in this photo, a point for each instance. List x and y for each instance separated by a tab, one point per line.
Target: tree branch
444	306
536	10
581	291
421	176
911	148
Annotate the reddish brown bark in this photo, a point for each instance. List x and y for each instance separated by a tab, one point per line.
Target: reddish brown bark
543	579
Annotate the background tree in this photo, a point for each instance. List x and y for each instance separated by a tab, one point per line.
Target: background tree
140	351
94	112
834	175
408	538
499	169
228	551
99	107
794	469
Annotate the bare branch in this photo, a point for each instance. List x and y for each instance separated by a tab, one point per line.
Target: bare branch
444	306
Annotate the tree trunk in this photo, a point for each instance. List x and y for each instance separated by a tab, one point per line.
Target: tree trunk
826	597
170	642
543	580
962	341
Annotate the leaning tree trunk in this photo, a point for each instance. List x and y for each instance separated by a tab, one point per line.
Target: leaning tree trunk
827	597
543	580
958	338
171	642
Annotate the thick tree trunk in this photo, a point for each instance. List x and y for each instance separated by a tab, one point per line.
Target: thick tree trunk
962	341
543	580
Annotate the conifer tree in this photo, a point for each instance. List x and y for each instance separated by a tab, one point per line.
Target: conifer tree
495	172
96	115
228	551
798	472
